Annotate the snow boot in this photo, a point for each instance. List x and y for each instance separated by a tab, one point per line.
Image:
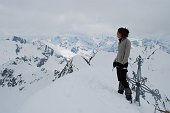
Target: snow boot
128	94
129	97
121	88
120	92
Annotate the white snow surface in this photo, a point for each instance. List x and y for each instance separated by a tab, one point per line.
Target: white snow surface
91	89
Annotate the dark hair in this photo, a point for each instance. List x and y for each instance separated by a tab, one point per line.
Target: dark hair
124	32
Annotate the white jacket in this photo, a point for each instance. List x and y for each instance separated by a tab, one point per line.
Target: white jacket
123	51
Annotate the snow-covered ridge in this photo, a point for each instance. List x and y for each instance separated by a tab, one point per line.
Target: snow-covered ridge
22	63
31	66
57	55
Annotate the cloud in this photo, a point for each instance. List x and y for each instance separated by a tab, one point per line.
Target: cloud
143	18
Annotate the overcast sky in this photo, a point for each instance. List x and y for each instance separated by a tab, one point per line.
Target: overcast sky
144	18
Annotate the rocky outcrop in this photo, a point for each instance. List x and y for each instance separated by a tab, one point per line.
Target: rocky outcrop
19	39
8	78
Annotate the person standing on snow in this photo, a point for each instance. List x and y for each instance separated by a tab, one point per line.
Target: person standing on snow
121	62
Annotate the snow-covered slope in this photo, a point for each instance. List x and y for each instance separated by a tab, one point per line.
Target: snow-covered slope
88	91
26	67
23	63
93	90
33	67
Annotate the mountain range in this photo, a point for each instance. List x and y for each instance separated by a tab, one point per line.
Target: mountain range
27	66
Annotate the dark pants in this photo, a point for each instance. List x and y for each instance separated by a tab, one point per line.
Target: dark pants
121	75
123	84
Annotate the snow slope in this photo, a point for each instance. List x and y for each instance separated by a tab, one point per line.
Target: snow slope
89	88
92	89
